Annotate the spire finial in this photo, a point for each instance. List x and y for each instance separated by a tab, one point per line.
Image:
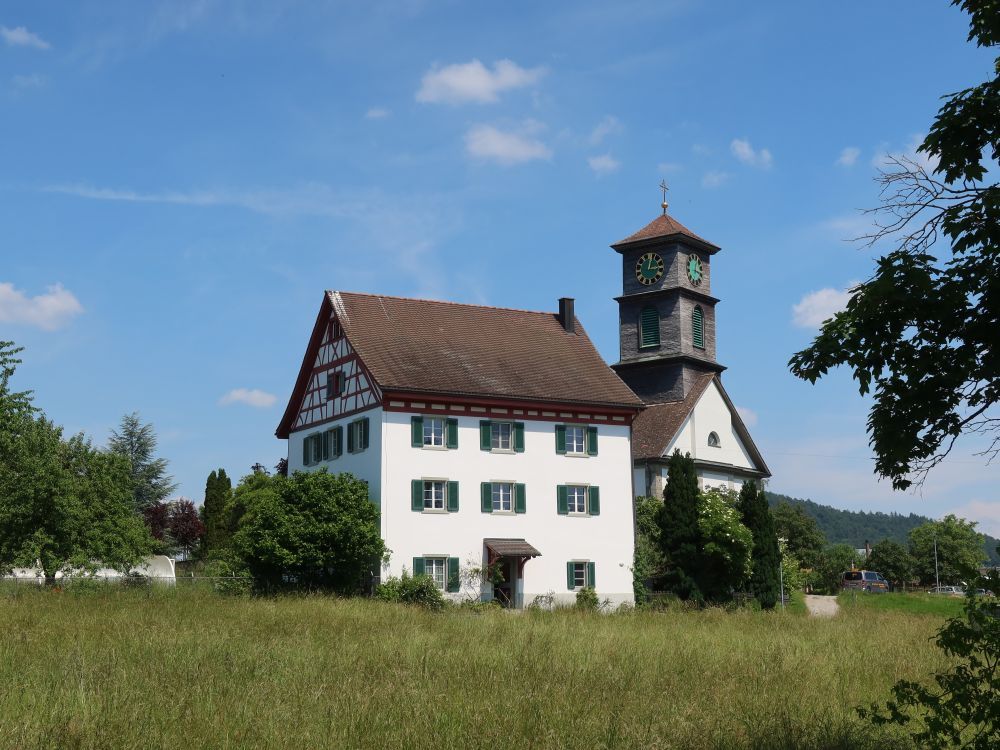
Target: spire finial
664	188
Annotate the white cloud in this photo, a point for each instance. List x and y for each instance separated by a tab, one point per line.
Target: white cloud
33	81
883	155
848	156
474	82
749	416
21	37
249	396
745	153
985	512
47	311
489	143
714	179
376	113
603	164
608	126
821	305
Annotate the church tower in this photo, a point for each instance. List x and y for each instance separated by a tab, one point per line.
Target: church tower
666	312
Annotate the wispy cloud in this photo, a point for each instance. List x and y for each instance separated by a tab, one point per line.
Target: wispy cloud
610	125
32	81
506	147
883	155
47	311
749	416
745	153
250	396
474	82
816	307
714	179
848	156
604	164
376	113
19	36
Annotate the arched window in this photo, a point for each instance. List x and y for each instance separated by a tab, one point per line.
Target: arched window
698	327
713	440
649	327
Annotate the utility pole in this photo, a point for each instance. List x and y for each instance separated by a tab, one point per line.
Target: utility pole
937	579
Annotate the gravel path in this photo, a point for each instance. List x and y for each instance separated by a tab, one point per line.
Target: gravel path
822	606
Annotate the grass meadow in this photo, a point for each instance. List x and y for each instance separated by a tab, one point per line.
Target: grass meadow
917	603
181	668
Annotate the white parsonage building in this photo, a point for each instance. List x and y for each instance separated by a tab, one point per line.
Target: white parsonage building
489	435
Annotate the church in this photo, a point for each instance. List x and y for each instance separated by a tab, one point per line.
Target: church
498	437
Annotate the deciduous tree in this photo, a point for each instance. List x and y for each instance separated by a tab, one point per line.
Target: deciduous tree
800	531
893	561
959	550
724	560
186	527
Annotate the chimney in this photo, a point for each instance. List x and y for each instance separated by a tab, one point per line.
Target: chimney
566	315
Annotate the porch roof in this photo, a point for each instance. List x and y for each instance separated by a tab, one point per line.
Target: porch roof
511	548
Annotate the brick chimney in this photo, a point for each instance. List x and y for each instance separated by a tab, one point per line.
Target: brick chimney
566	314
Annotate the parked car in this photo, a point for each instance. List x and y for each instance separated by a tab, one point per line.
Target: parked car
948	590
864	580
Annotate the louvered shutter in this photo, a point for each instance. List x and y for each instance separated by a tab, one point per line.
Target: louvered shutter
520	499
454	585
519	437
486	497
485	435
305	452
417	432
569	576
649	327
351	436
698	327
417	495
418	566
453	497
591	575
452	441
594	501
560	438
591	441
562	500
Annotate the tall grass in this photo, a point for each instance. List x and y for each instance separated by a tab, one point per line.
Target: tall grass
918	603
191	669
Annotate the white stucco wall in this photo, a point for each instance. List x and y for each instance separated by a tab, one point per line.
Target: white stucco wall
606	539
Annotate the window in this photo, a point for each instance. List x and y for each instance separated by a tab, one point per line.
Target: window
580	573
434	495
317	448
434	432
575	439
435	567
713	440
334	384
500	434
503	497
698	327
649	327
357	436
576	499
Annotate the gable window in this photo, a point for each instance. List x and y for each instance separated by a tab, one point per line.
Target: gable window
357	435
334	384
649	328
434	495
580	573
698	327
503	497
713	440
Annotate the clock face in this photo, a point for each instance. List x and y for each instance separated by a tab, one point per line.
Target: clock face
649	269
694	270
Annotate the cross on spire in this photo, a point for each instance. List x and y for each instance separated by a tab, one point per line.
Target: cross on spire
664	188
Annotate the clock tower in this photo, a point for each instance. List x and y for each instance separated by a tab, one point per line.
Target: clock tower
666	310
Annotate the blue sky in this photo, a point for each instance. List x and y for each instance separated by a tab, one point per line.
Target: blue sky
180	182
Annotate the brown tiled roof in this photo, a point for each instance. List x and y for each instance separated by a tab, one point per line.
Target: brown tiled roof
512	548
662	226
657	425
472	350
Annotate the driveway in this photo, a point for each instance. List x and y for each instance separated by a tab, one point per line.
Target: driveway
822	606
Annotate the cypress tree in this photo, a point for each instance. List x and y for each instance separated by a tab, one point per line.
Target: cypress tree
218	490
766	556
679	534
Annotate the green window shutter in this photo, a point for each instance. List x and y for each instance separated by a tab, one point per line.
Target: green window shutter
485	437
417	432
569	576
305	451
454	585
594	501
560	438
698	327
453	497
452	441
520	499
417	495
562	500
591	577
519	437
591	441
418	566
486	492
649	327
364	433
338	440
350	437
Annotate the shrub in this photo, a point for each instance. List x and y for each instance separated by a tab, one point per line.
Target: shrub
543	601
586	599
228	579
407	589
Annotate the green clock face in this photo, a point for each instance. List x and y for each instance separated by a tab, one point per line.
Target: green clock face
649	269
694	270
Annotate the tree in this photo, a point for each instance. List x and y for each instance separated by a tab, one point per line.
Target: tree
893	561
137	442
186	528
831	564
157	519
800	531
316	529
648	566
922	331
765	582
726	545
281	467
680	538
959	550
218	496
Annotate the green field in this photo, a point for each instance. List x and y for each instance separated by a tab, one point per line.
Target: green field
920	603
191	669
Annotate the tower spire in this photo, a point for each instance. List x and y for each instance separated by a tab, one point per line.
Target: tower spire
664	188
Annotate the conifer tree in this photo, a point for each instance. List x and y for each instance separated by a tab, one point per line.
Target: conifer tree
218	491
766	556
137	442
679	534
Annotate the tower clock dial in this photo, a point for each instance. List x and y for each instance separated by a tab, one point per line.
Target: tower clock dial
649	269
695	272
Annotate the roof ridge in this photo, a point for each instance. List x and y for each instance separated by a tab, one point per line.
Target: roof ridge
443	302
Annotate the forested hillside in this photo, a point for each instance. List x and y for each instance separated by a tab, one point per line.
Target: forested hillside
855	527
